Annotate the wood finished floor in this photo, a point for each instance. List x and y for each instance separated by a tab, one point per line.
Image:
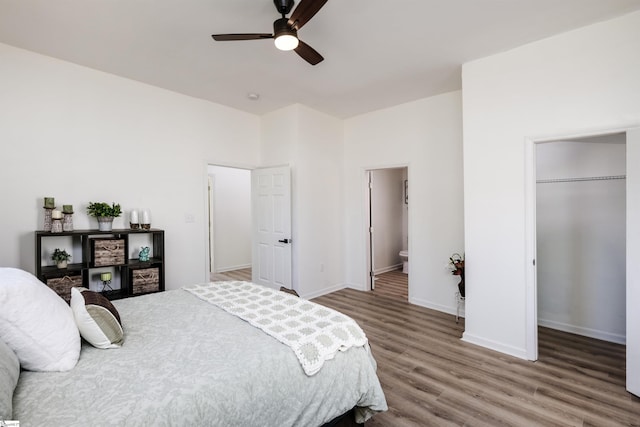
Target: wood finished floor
392	284
432	378
243	274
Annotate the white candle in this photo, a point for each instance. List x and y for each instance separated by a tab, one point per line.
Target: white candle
146	217
56	214
133	218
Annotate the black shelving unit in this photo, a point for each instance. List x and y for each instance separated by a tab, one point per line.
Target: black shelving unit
80	272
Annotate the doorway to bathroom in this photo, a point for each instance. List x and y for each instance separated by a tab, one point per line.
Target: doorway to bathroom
388	237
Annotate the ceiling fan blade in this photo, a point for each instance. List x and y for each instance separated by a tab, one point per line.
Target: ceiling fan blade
304	12
232	37
308	53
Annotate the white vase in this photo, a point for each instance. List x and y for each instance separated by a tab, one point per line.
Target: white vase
62	264
105	223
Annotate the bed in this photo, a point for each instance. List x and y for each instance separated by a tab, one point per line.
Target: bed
186	361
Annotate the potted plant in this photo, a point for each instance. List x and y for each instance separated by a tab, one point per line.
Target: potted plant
61	257
104	213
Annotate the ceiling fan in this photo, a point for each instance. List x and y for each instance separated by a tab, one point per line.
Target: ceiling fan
285	31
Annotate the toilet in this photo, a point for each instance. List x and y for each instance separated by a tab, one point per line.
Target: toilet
404	255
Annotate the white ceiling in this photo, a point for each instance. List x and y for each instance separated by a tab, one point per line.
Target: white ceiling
378	53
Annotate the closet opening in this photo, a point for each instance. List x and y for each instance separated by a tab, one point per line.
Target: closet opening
580	261
388	260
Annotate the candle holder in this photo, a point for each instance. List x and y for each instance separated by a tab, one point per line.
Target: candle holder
56	225
67	221
47	218
105	278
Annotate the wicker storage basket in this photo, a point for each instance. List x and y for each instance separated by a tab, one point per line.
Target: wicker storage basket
108	252
145	280
62	285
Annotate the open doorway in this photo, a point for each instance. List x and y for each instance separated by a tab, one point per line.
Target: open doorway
229	223
388	237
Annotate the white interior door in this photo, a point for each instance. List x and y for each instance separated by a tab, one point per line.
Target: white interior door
372	266
633	266
271	219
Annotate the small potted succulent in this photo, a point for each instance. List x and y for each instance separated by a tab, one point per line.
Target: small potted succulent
104	213
61	257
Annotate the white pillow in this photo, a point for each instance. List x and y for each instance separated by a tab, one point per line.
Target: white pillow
36	323
9	373
97	319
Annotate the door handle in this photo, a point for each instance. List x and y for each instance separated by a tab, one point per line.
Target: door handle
285	241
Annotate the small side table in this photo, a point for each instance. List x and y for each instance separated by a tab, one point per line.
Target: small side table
459	303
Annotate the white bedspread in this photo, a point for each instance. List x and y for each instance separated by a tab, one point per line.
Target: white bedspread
315	333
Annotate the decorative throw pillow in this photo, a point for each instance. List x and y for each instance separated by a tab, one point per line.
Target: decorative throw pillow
36	323
9	373
97	319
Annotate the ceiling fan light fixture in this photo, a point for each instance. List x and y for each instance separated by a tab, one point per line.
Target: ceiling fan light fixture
285	30
286	42
286	38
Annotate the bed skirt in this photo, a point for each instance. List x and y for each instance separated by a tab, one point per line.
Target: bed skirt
348	419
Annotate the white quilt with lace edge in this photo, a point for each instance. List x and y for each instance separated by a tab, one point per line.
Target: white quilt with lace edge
315	333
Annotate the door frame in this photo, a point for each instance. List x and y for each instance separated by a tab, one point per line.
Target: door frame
207	205
366	173
531	314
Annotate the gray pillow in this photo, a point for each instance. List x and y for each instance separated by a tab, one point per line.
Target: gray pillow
9	373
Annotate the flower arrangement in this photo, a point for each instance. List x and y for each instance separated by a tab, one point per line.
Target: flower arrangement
456	265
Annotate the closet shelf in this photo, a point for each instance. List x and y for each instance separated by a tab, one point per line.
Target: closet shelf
588	178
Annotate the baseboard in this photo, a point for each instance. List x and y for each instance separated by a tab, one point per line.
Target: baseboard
520	353
579	330
388	269
237	267
322	292
472	339
438	307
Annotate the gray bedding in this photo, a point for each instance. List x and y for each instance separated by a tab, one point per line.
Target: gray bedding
185	362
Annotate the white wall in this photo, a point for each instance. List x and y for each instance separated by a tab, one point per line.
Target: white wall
81	135
581	237
231	218
426	137
387	209
581	82
311	143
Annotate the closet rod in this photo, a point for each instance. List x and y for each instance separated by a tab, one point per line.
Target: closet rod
588	178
